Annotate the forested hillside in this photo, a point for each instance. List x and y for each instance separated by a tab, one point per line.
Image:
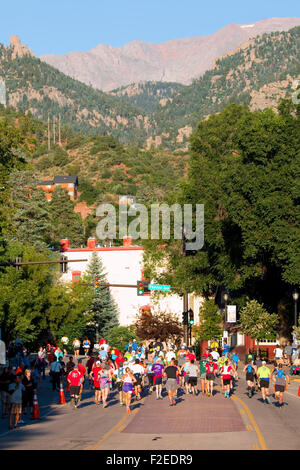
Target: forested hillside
33	85
258	74
148	95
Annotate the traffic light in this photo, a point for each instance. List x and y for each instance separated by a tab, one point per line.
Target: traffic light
185	318
63	266
96	285
191	317
142	287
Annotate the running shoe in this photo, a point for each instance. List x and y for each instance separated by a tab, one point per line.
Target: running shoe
268	400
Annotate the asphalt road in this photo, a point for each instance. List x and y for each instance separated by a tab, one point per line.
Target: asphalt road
195	423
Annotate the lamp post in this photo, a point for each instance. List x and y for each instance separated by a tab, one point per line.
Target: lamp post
295	297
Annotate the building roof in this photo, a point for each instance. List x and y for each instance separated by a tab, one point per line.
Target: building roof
66	179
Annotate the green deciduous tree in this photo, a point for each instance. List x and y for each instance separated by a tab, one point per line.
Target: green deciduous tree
257	322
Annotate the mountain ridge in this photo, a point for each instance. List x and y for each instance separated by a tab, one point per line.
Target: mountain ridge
178	60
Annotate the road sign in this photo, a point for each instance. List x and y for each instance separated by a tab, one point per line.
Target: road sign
159	287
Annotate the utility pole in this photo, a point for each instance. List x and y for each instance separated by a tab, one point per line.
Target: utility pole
59	130
186	327
54	130
48	133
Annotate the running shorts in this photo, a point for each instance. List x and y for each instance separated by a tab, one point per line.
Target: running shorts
150	379
138	378
127	387
171	385
210	376
119	386
264	383
158	381
193	381
226	381
186	379
74	390
279	388
250	377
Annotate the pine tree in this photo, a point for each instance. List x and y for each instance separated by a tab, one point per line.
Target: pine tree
31	217
104	307
65	222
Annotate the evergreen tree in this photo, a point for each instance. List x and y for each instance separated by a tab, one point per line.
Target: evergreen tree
104	308
64	221
31	217
210	327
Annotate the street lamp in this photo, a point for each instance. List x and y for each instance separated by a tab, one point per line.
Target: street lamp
295	297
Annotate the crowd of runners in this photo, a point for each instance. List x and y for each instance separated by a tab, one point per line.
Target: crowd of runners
139	370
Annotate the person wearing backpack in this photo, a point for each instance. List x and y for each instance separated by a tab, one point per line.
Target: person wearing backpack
279	377
227	372
251	370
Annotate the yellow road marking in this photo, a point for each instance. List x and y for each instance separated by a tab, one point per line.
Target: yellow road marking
118	427
255	426
249	427
106	435
255	447
242	411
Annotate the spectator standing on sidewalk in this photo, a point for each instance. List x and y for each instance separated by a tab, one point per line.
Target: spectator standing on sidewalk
6	379
288	351
27	395
55	373
15	389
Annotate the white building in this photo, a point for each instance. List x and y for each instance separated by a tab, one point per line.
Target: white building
124	265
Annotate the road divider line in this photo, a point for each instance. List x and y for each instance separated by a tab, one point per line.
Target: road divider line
120	426
255	426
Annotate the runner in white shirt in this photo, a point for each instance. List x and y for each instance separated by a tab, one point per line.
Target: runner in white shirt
215	355
170	355
138	372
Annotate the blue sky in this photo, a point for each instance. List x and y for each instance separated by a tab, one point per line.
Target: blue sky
59	26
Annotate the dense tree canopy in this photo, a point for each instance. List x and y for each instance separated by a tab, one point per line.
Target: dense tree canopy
244	168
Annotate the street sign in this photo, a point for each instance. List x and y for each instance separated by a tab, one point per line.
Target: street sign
159	287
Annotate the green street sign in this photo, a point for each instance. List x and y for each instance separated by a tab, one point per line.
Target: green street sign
159	287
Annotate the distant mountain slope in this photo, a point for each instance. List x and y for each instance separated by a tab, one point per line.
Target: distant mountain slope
33	85
181	60
148	95
258	74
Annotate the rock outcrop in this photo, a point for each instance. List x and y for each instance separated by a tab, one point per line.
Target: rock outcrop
18	49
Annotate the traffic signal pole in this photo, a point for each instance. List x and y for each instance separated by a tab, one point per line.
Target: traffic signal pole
185	326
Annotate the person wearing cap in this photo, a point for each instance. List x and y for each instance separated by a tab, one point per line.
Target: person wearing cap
94	375
75	380
158	371
264	373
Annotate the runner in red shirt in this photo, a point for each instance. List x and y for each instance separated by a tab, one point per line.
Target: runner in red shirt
75	380
211	370
227	373
95	375
82	370
191	356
